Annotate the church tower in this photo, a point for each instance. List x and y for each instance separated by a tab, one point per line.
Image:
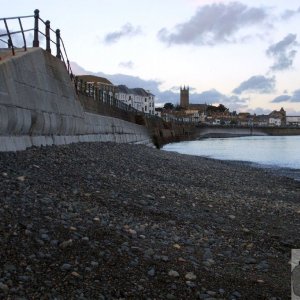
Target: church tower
184	97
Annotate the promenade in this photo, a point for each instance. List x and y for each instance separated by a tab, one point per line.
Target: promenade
120	221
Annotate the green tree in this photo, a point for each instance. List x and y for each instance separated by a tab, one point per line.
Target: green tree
169	105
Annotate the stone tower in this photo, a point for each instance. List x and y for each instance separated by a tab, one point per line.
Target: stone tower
184	97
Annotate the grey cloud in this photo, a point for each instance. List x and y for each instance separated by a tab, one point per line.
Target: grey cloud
126	64
259	111
127	30
16	39
281	98
256	84
2	44
215	23
289	13
283	52
295	97
213	96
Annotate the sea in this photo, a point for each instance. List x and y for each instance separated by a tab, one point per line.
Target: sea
280	154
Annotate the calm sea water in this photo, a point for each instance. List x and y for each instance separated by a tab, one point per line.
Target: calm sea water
277	152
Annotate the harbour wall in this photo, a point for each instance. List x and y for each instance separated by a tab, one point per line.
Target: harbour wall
39	106
223	132
220	132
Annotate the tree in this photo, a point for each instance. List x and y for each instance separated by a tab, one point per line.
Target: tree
169	106
222	108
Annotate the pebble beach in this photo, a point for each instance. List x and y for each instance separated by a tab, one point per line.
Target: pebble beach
120	221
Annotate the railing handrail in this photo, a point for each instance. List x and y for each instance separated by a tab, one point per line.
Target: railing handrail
60	53
13	18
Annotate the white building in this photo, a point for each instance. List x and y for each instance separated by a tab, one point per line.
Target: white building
125	95
274	121
137	98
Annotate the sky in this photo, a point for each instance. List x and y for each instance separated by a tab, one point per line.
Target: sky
243	54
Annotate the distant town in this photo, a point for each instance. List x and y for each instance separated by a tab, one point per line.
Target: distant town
186	112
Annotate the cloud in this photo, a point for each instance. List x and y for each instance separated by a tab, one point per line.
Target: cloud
281	98
259	111
295	97
126	64
214	24
290	13
17	39
283	52
127	30
214	97
256	84
4	38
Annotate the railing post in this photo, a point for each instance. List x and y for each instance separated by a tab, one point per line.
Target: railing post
96	93
48	48
36	42
58	52
9	43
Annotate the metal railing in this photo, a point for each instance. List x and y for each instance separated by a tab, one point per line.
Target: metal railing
61	52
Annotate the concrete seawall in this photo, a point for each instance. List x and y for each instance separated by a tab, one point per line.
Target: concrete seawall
39	106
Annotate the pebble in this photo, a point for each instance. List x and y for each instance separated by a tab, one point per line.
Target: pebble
66	244
66	267
190	276
94	264
236	294
4	287
151	272
173	273
21	178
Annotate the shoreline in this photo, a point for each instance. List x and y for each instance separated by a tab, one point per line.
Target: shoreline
121	221
275	170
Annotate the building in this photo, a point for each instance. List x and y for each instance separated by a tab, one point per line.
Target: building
293	120
261	120
125	95
184	97
274	121
137	98
105	89
278	115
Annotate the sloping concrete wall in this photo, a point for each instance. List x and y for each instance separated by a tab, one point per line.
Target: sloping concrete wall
39	106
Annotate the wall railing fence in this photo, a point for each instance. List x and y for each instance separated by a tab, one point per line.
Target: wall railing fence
9	36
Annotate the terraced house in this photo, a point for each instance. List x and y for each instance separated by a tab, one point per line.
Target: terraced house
137	98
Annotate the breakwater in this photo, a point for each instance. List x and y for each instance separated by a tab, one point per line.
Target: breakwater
224	131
